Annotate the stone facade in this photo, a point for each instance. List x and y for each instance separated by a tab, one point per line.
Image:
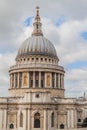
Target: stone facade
36	94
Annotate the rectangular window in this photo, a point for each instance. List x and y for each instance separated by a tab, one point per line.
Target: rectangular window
42	80
37	83
31	79
31	83
36	79
42	83
57	80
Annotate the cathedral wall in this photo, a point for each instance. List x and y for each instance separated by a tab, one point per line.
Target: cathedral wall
20	92
65	114
37	97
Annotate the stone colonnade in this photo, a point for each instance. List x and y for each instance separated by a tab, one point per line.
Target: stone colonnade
28	119
36	80
71	121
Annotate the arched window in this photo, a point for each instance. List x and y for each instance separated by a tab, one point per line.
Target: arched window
21	119
37	120
62	126
52	119
11	126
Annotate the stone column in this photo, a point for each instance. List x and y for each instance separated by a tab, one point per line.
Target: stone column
5	119
72	119
29	120
10	80
75	118
45	120
29	80
1	119
56	121
18	80
58	80
45	79
62	82
14	81
24	119
49	120
51	80
22	79
33	79
68	119
39	79
18	116
55	81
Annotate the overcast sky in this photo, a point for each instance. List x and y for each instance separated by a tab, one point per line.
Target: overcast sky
64	24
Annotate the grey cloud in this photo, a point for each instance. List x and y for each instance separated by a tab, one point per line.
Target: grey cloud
13	14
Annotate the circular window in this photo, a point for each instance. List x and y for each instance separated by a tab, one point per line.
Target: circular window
37	95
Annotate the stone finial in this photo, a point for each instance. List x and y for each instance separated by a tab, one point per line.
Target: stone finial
37	13
37	24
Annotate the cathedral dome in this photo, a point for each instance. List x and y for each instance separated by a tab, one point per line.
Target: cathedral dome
37	44
36	70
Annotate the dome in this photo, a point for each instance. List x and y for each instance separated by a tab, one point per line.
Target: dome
37	45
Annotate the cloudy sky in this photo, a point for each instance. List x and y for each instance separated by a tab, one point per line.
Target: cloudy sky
64	24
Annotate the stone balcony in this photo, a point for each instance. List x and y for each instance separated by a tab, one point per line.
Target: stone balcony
31	65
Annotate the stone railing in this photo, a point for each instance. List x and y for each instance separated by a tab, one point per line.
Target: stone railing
64	101
31	65
13	100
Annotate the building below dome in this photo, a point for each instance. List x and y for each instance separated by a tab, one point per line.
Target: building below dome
36	94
